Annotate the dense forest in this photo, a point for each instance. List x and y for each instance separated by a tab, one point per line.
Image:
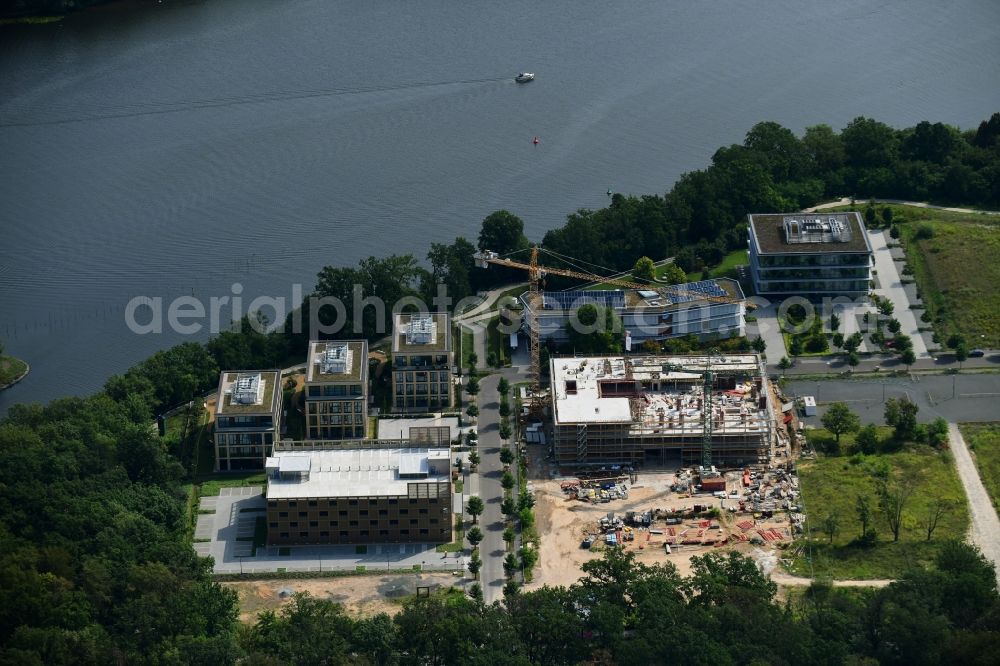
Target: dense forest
96	564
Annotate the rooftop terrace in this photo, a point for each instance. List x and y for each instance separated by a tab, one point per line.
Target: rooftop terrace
419	338
325	361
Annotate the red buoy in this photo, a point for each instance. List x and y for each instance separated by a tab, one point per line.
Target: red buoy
535	141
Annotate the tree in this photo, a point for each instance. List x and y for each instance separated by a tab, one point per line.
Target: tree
838	340
474	507
471	439
644	270
784	363
503	386
839	419
831	525
474	535
795	348
474	458
472	410
595	330
961	354
901	414
673	274
511	588
475	590
475	564
508	507
473	362
507	481
511	564
894	326
504	409
834	321
954	340
887	216
506	455
505	430
933	513
867	439
502	232
527	518
508	536
853	359
759	345
902	342
525	500
472	388
853	342
893	496
894	232
908	358
864	510
885	307
937	432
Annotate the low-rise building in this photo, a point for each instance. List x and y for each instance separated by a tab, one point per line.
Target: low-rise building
637	410
336	389
705	309
247	419
422	360
375	493
813	255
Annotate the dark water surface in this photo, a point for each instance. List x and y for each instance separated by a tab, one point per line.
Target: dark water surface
179	148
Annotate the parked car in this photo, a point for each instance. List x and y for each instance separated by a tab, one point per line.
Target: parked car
977	353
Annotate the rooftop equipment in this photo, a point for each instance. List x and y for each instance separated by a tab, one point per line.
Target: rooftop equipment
248	389
420	330
336	360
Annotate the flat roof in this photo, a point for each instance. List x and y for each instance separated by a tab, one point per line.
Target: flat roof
769	234
224	404
358	359
587	406
678	296
371	472
442	334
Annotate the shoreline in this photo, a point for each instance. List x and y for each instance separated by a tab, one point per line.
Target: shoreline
27	369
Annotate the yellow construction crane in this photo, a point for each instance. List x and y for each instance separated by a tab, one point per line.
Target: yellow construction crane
535	275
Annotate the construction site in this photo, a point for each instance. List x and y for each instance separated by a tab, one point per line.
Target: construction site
641	411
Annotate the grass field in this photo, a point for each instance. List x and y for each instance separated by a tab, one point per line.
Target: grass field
831	485
956	271
728	266
984	441
10	369
210	487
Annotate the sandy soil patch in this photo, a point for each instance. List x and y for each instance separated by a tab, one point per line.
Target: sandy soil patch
563	523
360	595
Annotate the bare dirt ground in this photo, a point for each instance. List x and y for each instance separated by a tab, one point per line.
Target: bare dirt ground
564	523
360	595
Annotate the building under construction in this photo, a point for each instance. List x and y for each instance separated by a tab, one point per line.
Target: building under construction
661	410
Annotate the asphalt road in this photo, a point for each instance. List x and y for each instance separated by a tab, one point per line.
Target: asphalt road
958	398
492	549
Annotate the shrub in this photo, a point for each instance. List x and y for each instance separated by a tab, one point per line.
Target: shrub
869	540
924	232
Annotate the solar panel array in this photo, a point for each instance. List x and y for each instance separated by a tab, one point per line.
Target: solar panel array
564	300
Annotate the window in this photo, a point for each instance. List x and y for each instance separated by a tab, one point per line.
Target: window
324	514
413	521
352	502
403	512
423	531
303	534
313	503
293	503
383	512
324	534
364	533
342	513
313	523
283	535
423	511
302	514
343	533
353	523
393	522
272	524
383	532
363	512
293	524
282	514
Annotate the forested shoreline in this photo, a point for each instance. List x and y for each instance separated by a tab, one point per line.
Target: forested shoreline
96	564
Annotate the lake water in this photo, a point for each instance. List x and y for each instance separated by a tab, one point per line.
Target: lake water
179	148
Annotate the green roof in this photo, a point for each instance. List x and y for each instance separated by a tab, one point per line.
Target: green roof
441	343
225	398
359	362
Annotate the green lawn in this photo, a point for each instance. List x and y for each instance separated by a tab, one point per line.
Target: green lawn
831	485
10	369
458	543
728	266
210	487
956	271
984	441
